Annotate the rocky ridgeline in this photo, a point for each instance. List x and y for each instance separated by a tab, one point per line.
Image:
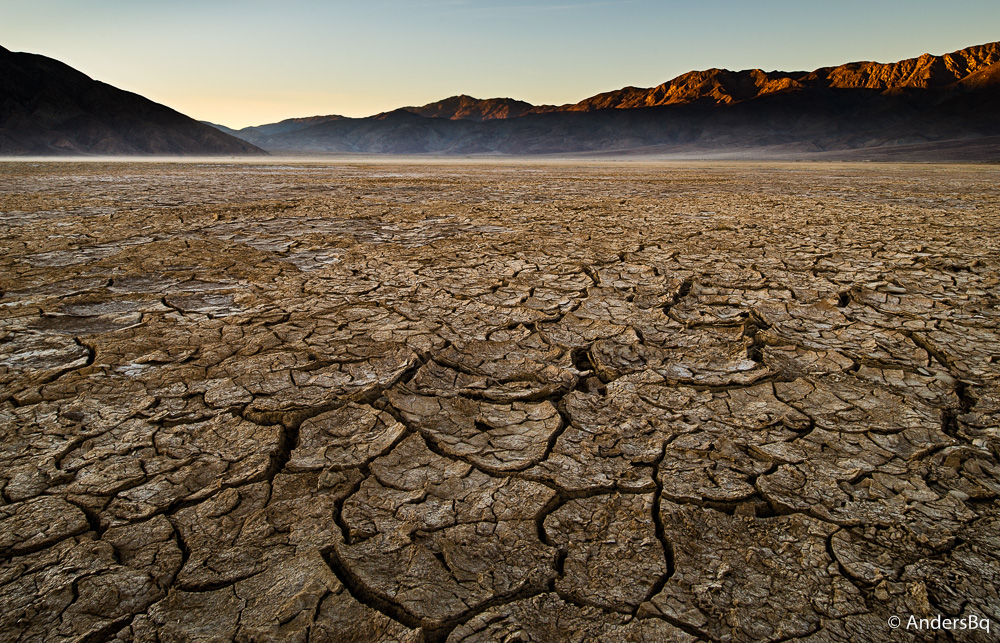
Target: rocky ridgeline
722	86
497	403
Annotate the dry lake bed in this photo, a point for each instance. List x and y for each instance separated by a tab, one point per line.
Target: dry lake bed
353	401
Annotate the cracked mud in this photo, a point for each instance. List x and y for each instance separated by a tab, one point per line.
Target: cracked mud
487	402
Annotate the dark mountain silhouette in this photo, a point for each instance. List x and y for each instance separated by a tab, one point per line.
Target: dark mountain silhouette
47	107
931	107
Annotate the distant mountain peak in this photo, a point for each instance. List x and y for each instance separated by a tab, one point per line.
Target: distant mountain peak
464	107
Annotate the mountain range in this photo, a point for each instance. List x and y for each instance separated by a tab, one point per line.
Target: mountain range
930	107
927	108
49	108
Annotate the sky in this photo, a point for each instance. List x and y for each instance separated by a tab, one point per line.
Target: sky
249	62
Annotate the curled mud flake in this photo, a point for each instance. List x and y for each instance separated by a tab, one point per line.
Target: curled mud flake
347	437
180	463
496	437
437	539
74	589
613	557
34	524
727	567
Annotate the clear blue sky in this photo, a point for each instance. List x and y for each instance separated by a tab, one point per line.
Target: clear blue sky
247	62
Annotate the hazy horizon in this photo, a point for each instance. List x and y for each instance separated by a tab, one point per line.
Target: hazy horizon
248	63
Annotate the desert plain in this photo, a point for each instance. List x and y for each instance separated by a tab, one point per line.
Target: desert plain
455	401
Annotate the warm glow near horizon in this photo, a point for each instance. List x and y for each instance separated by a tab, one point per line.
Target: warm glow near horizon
240	63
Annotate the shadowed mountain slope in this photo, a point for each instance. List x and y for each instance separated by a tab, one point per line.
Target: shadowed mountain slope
48	108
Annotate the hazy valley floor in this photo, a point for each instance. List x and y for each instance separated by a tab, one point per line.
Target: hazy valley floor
497	402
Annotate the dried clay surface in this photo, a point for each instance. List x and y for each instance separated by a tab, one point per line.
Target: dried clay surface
350	401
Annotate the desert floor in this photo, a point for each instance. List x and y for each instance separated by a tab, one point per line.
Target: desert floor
485	401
